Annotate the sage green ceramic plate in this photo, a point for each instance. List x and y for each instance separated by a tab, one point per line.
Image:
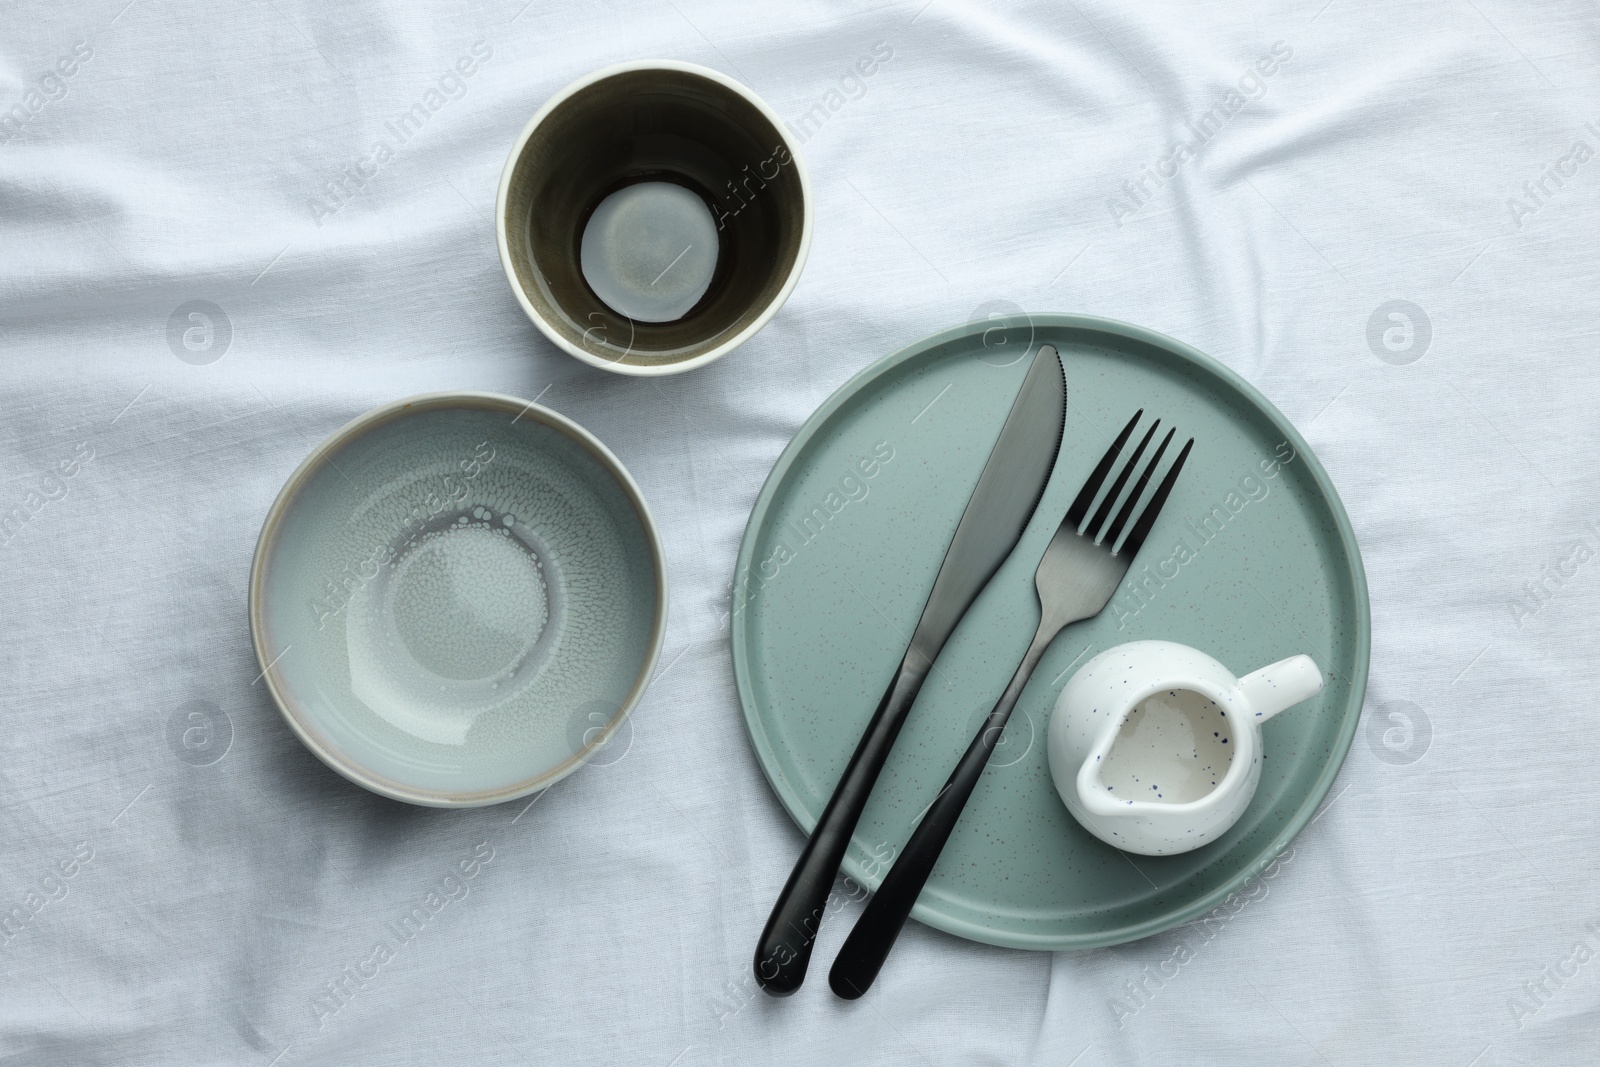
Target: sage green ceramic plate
1253	560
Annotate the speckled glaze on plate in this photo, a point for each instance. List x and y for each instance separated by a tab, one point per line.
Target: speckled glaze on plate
1253	560
458	598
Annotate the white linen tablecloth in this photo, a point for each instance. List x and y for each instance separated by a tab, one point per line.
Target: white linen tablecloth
207	265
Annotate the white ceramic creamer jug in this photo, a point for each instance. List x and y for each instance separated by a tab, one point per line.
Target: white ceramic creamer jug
1156	747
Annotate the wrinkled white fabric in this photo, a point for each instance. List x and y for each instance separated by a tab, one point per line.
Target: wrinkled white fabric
217	246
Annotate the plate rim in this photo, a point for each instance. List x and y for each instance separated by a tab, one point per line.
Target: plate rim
289	494
1301	817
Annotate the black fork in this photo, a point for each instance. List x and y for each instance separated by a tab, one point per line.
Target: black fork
1081	569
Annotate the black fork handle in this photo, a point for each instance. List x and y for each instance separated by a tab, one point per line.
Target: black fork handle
784	951
880	923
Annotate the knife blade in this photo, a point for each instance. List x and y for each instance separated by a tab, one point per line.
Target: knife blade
1002	503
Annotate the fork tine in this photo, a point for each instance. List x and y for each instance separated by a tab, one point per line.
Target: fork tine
1141	529
1080	506
1138	487
1116	487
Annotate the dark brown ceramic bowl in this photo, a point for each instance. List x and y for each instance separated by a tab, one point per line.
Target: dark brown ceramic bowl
655	120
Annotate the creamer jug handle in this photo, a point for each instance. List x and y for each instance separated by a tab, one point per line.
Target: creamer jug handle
1280	685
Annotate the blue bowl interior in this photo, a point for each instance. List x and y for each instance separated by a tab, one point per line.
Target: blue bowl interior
459	602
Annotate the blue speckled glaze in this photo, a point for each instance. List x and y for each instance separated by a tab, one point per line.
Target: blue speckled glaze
1253	560
458	598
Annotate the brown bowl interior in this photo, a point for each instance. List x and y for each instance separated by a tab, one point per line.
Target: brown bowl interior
658	125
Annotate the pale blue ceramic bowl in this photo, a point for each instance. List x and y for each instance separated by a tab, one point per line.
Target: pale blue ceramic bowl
458	598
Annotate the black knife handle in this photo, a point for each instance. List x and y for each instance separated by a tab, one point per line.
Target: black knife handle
881	920
785	947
